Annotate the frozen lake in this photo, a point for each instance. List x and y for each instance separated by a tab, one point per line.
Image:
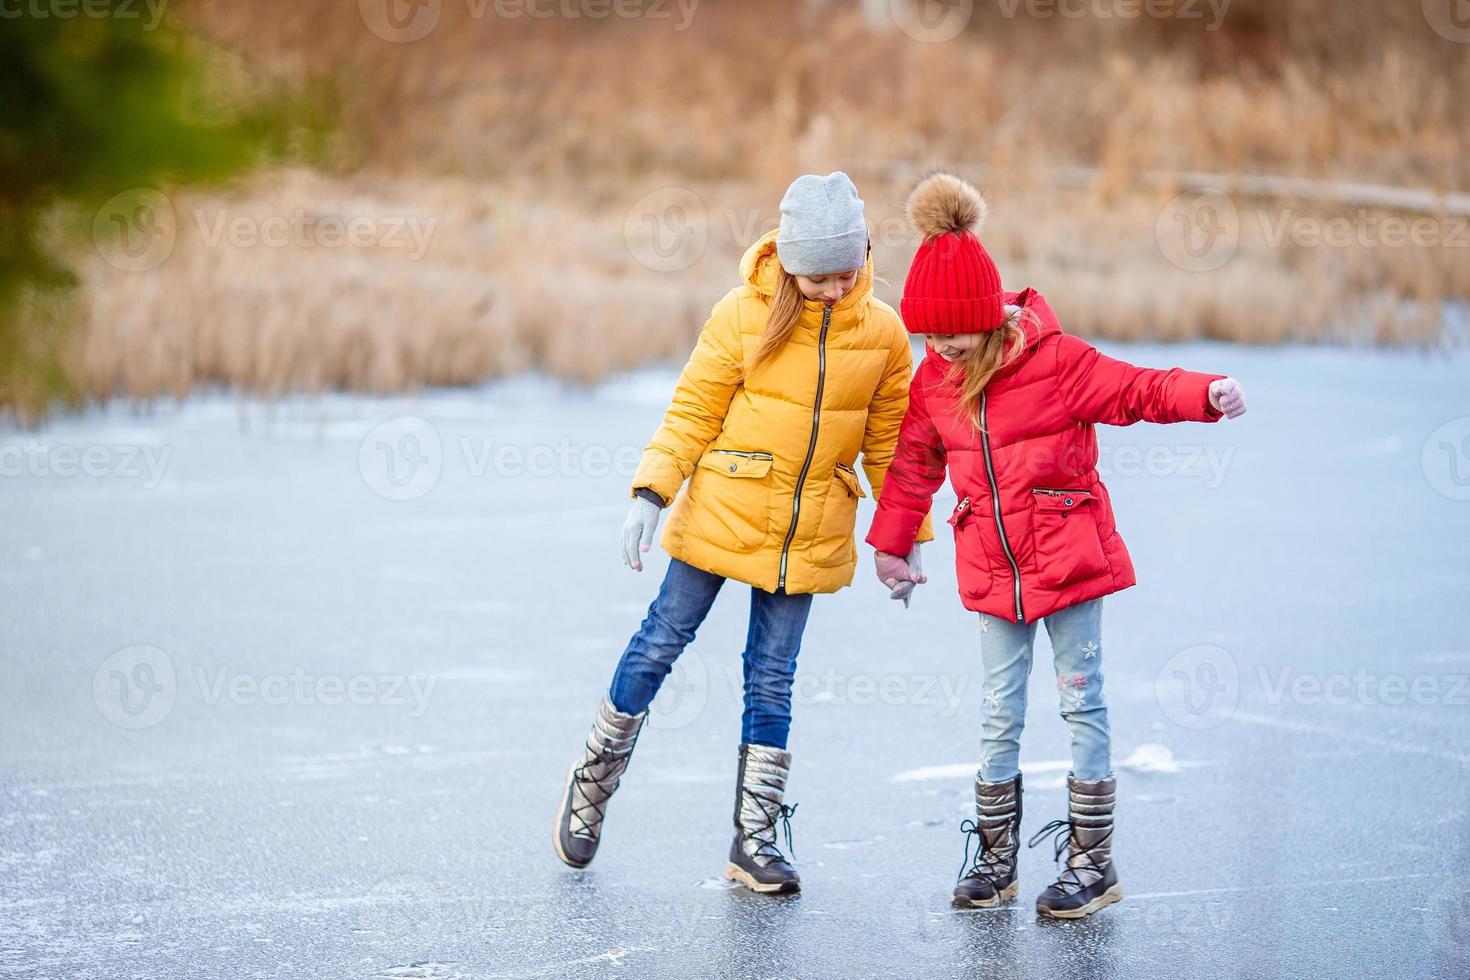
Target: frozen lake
291	691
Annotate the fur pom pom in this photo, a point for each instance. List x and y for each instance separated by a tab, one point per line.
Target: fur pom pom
942	203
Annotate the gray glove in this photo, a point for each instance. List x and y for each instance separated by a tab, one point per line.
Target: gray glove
638	528
905	590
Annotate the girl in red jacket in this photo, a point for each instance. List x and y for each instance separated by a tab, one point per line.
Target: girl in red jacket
1007	403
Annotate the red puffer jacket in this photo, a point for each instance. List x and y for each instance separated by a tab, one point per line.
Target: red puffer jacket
1034	529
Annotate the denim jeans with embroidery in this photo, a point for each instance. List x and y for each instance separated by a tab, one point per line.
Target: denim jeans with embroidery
1005	651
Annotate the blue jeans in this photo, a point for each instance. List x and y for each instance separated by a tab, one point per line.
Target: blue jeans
777	621
1005	651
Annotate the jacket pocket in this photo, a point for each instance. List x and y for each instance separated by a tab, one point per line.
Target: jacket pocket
834	542
972	564
1068	549
730	499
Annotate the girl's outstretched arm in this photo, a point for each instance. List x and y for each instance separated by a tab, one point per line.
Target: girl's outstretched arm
1098	388
885	418
701	399
916	474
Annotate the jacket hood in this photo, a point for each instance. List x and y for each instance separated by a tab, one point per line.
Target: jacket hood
760	266
1039	323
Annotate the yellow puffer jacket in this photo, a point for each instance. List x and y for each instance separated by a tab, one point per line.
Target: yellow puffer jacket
773	496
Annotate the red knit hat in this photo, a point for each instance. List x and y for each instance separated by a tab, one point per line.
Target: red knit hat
953	286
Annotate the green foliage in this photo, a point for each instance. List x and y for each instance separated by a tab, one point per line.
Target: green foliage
101	97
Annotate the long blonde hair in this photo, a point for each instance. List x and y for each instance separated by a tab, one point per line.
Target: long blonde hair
786	306
997	349
785	313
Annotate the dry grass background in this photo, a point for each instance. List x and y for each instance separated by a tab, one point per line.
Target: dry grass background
530	143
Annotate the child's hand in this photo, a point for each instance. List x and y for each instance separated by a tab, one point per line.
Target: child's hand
899	574
1227	397
638	528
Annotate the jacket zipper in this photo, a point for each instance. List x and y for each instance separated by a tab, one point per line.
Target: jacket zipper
743	454
995	502
811	447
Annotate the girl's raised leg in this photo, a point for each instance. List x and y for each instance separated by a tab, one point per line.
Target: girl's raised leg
684	599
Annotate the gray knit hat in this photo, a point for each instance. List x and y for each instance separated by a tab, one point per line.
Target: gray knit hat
822	228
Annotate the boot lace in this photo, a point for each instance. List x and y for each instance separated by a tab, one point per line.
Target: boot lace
582	778
1062	839
757	834
983	867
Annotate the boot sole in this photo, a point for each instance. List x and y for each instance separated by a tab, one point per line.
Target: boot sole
561	816
735	873
1008	892
1114	894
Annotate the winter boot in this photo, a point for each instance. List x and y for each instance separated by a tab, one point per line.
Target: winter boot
1089	881
592	781
755	860
996	832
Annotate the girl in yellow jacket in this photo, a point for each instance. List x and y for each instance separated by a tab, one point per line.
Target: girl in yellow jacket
797	372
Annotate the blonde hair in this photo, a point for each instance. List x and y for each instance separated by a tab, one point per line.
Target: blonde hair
785	313
997	349
786	306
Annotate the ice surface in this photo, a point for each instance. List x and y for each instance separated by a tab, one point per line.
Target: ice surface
303	705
